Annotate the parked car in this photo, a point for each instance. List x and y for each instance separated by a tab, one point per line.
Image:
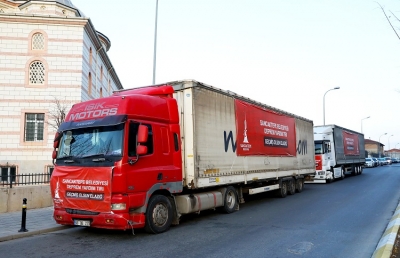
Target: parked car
389	160
383	161
376	162
369	162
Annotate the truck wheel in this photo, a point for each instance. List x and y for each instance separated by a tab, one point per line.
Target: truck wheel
354	170
291	187
361	170
230	200
343	174
283	190
158	214
299	185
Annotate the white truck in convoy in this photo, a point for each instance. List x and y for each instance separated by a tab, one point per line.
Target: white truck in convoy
338	151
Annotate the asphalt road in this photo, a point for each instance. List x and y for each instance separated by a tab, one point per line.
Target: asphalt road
343	219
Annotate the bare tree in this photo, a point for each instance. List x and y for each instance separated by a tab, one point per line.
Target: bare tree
388	19
58	113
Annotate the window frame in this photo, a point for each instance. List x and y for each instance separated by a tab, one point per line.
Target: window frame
45	43
38	124
43	142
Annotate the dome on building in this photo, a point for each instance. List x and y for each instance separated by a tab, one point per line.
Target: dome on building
64	2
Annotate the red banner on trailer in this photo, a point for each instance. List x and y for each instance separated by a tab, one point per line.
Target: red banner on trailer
350	143
82	188
261	131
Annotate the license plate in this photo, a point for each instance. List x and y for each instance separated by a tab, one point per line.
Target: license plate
84	223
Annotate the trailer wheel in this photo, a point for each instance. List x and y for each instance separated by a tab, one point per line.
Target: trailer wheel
343	173
158	214
291	187
354	170
299	185
283	190
361	170
230	200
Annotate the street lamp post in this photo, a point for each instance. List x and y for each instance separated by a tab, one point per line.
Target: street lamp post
389	141
336	88
362	123
155	45
380	144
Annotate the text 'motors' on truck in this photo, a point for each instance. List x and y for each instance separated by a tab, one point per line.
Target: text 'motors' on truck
337	151
145	156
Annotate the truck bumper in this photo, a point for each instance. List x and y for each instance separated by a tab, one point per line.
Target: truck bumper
117	221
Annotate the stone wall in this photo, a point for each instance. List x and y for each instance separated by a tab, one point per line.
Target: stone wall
37	197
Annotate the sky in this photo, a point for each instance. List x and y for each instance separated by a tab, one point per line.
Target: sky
285	53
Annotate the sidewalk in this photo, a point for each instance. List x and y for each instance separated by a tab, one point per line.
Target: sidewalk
38	221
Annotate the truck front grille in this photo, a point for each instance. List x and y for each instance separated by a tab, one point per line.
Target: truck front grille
81	212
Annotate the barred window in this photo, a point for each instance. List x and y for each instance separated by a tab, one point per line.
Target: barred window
37	41
34	127
8	174
36	73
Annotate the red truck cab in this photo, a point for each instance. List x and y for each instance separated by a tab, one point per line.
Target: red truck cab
117	159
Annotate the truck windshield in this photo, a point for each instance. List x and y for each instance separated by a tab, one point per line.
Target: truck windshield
322	147
318	147
83	142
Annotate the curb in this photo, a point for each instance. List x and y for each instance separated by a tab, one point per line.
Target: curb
32	233
385	245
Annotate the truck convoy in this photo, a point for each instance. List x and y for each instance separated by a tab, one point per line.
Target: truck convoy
337	151
144	157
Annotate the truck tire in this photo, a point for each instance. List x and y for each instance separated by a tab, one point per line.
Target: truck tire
299	185
361	170
158	214
354	170
343	173
230	200
282	192
291	187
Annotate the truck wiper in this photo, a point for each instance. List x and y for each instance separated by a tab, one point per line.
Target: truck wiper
67	159
99	157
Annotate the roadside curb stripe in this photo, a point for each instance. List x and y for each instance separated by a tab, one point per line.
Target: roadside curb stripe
385	245
33	232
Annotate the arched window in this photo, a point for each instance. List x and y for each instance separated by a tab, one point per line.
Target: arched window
90	57
101	92
101	73
90	84
38	41
109	86
36	73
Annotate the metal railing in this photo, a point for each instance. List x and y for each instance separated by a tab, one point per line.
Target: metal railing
10	180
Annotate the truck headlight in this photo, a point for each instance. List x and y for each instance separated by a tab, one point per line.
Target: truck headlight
118	206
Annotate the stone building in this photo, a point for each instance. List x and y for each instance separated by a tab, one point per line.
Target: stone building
393	153
373	148
50	54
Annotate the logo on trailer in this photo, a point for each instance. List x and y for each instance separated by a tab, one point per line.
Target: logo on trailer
246	146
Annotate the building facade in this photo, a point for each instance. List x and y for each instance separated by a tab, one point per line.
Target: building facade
51	57
393	153
373	148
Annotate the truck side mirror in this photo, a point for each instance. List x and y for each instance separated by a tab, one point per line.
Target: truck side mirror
54	154
56	140
143	133
141	150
